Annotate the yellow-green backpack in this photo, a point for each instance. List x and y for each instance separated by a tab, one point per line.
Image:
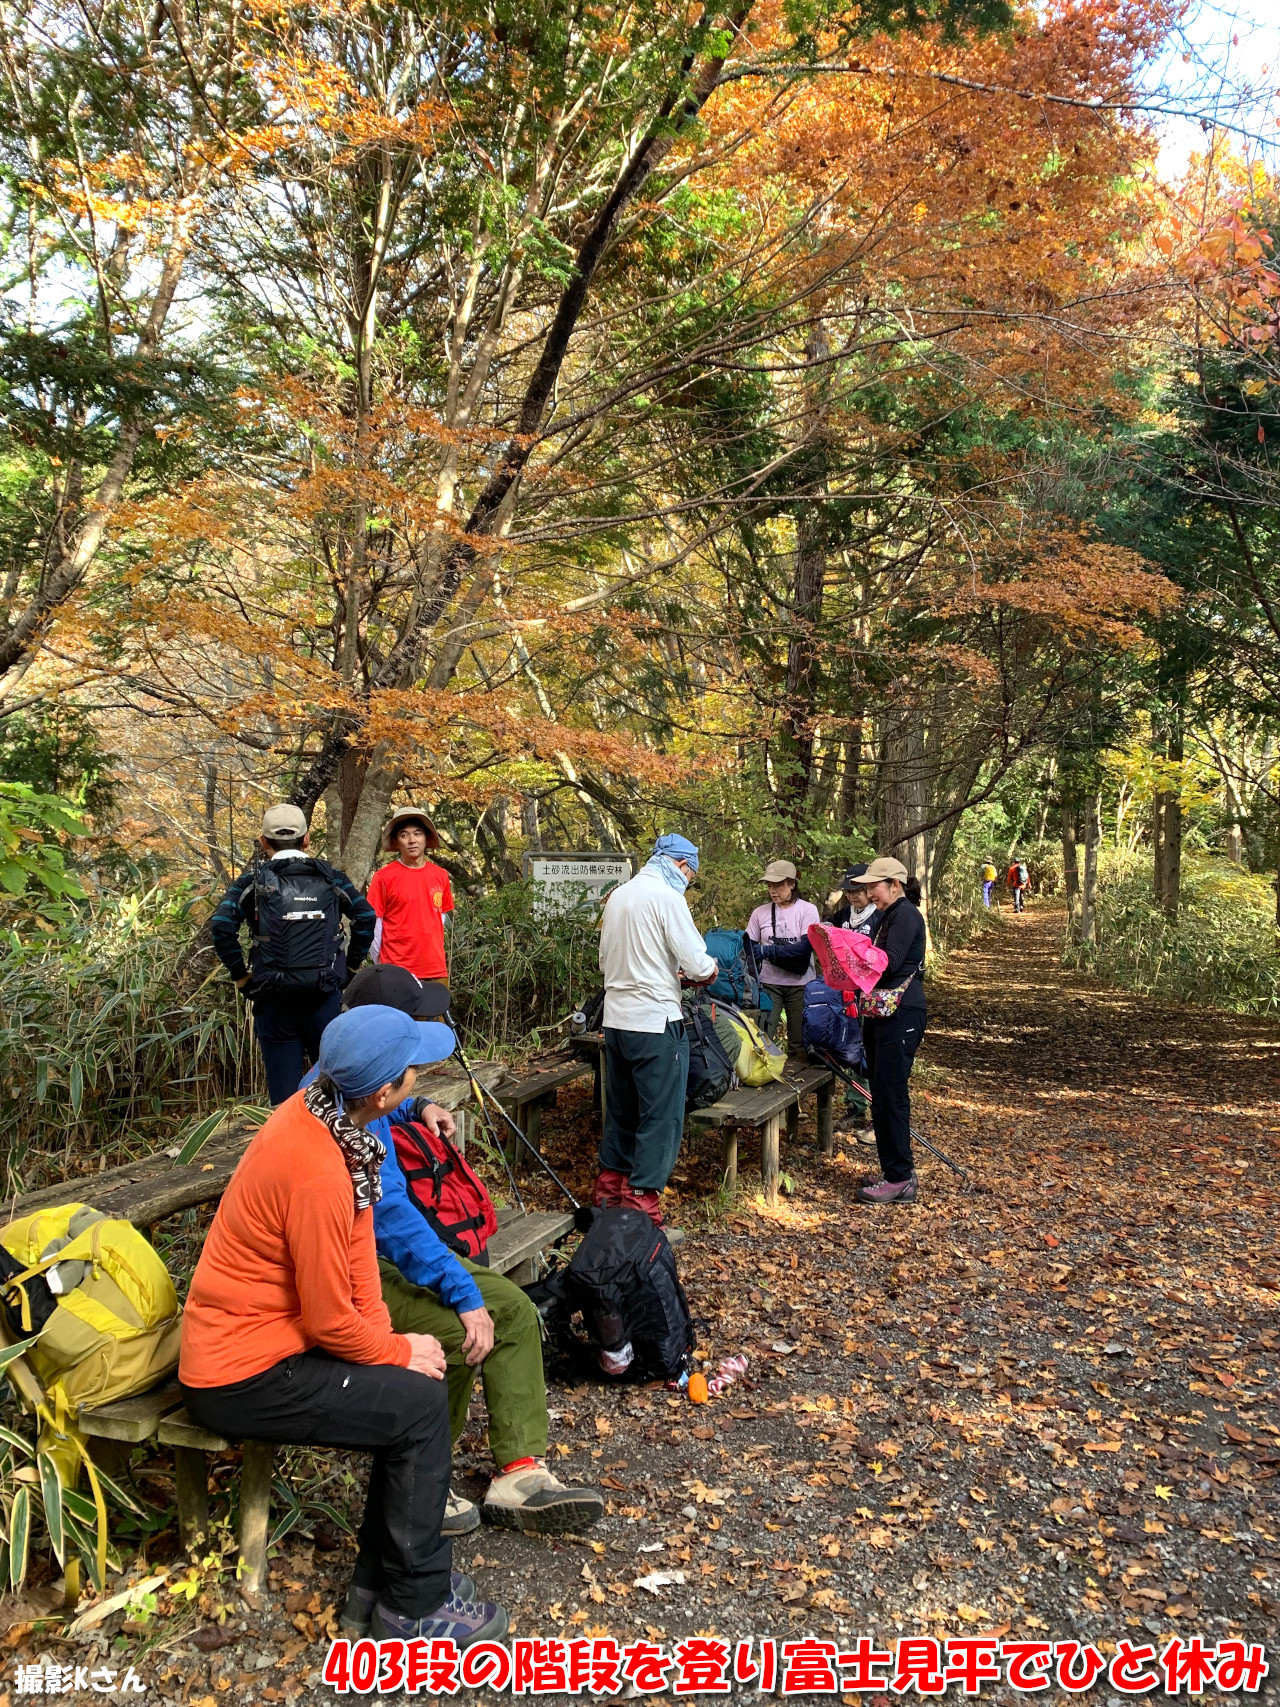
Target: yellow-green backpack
760	1061
115	1329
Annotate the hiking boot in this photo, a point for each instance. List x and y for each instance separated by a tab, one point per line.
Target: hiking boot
534	1499
647	1202
610	1190
887	1191
357	1611
460	1516
458	1620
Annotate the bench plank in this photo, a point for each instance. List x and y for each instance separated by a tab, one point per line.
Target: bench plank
519	1240
132	1419
181	1429
539	1083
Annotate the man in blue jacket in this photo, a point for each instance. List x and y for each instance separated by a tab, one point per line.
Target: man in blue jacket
484	1322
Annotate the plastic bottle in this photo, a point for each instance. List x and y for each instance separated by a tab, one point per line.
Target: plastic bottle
728	1372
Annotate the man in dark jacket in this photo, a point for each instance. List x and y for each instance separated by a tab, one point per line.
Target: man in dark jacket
293	905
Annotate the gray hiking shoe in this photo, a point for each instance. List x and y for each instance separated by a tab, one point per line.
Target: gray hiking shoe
534	1499
357	1611
460	1516
885	1191
458	1620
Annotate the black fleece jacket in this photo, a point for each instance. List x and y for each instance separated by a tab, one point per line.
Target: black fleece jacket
900	933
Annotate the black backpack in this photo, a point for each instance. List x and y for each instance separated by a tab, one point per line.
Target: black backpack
623	1288
297	944
710	1069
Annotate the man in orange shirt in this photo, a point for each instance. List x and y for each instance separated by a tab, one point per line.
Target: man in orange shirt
285	1335
411	895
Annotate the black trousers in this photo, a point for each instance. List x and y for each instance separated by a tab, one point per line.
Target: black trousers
400	1416
288	1024
891	1046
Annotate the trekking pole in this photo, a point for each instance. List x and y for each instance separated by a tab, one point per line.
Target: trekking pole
480	1093
842	1072
477	1093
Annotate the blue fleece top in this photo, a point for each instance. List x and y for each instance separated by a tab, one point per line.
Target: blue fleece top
402	1233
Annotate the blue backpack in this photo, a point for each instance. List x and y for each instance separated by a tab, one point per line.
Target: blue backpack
827	1028
735	982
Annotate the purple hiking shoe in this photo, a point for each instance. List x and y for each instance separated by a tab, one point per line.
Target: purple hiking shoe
460	1621
357	1610
885	1191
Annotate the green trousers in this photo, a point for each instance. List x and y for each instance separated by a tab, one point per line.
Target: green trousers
514	1389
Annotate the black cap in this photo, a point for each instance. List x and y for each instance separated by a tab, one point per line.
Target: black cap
393	987
852	875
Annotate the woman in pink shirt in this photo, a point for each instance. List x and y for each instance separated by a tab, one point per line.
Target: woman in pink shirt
784	918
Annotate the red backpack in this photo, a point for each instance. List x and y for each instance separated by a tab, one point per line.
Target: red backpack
450	1194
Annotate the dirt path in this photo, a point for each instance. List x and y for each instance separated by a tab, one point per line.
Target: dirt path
1048	1410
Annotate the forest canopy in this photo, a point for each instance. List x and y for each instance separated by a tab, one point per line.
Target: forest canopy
828	428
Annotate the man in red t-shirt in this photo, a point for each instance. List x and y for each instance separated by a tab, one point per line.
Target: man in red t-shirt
411	897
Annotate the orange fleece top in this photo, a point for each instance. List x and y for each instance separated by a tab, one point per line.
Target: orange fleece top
288	1264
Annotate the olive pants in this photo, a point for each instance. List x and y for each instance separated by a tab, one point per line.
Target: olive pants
514	1389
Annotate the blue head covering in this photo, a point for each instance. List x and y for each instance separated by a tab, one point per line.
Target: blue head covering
677	847
666	851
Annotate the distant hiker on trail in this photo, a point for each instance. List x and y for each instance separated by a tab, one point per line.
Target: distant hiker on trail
785	959
648	941
294	905
411	896
892	1037
1016	879
988	881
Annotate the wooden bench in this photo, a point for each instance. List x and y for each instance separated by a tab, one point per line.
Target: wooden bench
766	1108
513	1250
145	1193
528	1097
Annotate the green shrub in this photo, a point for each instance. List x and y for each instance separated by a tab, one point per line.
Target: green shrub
106	1042
514	976
1220	952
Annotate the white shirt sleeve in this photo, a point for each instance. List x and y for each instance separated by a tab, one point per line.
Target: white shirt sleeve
687	944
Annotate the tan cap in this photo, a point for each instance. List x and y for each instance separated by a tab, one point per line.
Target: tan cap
885	870
285	820
779	871
407	815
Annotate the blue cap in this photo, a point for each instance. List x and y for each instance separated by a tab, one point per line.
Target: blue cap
677	847
368	1047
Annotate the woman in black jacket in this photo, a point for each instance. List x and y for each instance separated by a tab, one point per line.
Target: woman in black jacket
891	1042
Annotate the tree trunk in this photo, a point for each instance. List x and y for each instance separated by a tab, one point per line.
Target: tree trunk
849	786
1092	839
1071	866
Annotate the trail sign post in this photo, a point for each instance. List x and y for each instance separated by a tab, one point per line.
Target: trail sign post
561	881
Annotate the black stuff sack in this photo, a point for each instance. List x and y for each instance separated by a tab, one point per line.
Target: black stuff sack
620	1298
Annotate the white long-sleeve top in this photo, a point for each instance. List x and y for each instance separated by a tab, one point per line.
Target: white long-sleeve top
648	938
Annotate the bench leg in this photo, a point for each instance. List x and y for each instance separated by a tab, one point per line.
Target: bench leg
191	1465
255	1514
731	1160
770	1144
531	1126
793	1122
826	1122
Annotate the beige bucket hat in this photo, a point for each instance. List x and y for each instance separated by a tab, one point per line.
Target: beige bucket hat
779	871
885	870
408	815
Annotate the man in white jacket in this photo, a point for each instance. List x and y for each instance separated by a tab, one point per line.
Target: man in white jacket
648	941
